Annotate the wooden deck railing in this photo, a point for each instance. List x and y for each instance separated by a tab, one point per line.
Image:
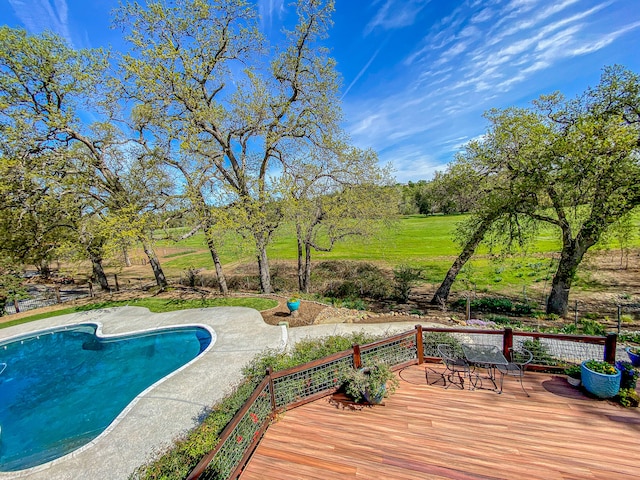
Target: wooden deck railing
305	383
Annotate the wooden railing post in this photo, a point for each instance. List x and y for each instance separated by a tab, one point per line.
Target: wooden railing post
272	390
58	295
419	344
15	304
357	359
507	342
610	348
115	277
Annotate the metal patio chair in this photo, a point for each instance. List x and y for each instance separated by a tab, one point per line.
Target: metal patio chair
456	367
518	361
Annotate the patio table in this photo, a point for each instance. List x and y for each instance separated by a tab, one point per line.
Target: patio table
487	357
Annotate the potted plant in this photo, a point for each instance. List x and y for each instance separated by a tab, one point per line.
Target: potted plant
293	304
600	378
627	396
628	375
574	375
634	355
370	384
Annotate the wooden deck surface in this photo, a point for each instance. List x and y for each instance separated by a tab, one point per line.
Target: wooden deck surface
426	432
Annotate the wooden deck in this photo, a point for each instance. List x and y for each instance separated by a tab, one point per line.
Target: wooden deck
428	432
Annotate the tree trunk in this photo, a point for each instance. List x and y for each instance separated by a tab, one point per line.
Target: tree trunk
302	286
161	281
263	265
222	280
307	267
98	271
570	258
442	294
125	255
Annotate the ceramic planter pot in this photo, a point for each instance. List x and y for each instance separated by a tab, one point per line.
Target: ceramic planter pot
599	384
633	357
375	397
293	306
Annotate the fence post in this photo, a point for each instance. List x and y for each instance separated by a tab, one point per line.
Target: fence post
419	344
357	360
15	304
58	295
115	276
468	308
619	318
271	390
575	319
610	348
91	289
507	342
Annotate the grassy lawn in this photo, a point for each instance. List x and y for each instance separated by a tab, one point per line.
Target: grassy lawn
156	305
415	240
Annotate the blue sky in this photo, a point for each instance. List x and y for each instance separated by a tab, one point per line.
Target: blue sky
418	74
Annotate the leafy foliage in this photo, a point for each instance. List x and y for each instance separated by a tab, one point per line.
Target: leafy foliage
431	340
373	381
600	366
405	277
540	351
574	371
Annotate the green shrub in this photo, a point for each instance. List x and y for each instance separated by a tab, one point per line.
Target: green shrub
592	327
631	337
431	340
523	309
405	277
501	320
628	397
356	280
486	304
541	355
574	371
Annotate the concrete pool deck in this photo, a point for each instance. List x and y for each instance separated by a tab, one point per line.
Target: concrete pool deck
174	405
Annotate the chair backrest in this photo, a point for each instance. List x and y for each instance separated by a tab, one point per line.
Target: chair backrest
448	352
521	356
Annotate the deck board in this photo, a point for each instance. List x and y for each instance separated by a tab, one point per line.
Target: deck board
426	431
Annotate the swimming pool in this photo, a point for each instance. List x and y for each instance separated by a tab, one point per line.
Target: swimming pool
62	387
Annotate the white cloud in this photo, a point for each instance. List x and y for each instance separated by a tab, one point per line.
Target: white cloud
269	9
44	15
395	14
462	67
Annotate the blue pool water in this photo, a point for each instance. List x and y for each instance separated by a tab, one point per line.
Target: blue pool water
61	388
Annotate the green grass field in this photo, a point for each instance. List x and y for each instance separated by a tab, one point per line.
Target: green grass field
416	240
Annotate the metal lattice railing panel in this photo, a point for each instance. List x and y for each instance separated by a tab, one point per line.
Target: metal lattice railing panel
391	353
431	340
230	454
557	352
300	385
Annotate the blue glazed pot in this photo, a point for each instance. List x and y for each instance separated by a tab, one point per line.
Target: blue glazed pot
375	397
293	306
635	359
600	384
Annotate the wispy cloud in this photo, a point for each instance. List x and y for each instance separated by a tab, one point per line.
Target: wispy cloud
40	15
395	14
268	10
482	54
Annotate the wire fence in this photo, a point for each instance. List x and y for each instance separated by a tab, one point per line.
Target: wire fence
46	297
